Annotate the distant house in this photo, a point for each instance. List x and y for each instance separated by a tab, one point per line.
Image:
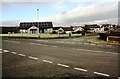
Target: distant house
77	29
35	27
92	28
62	30
6	30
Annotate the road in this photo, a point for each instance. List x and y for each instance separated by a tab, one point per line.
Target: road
58	58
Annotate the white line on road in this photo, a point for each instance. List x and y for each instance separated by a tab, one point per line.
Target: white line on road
12	41
111	52
63	65
31	57
13	52
101	74
47	61
0	49
5	50
97	51
80	69
22	55
0	52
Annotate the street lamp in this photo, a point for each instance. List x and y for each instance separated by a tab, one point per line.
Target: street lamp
38	22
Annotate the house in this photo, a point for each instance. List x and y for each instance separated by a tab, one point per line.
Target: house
94	28
62	30
77	29
35	27
6	30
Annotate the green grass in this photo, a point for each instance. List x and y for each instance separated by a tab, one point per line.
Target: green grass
46	36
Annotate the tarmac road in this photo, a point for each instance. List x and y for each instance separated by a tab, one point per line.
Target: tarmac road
58	58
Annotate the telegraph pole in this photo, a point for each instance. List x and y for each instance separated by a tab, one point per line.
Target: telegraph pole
38	23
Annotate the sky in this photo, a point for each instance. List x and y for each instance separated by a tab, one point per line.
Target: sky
61	13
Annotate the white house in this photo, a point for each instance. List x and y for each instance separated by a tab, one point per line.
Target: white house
33	30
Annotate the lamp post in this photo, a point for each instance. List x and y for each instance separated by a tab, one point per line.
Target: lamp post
38	22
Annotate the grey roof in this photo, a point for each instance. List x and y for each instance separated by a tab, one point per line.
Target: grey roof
64	28
26	25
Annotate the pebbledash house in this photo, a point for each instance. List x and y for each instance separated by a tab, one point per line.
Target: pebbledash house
35	27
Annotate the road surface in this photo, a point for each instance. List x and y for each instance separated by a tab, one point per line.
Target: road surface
58	58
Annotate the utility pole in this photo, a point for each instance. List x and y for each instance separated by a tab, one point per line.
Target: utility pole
38	23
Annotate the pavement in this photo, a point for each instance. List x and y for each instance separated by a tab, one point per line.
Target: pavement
58	58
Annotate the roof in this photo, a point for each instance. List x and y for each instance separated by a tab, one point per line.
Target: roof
92	26
64	28
9	29
105	25
27	25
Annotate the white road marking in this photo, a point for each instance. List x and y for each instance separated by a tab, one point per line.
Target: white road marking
0	49
13	52
54	46
101	74
0	52
80	69
63	65
97	51
111	52
12	41
22	55
47	61
31	57
5	50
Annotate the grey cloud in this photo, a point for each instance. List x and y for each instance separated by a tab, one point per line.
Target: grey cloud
10	23
103	12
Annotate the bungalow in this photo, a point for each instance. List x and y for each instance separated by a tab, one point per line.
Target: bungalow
62	30
35	27
77	29
6	30
92	28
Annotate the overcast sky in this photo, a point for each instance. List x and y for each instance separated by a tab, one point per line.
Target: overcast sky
61	13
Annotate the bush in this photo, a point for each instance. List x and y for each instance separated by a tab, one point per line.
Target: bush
103	36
